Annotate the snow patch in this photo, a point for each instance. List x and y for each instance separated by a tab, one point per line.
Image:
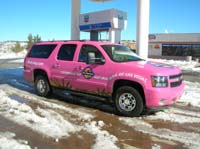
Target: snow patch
8	141
183	65
52	124
156	146
44	121
80	113
7	53
185	112
18	60
103	138
191	140
172	116
191	95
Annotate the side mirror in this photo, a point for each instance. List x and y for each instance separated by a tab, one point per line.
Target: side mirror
93	60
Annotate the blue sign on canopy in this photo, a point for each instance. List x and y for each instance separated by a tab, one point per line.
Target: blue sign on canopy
105	25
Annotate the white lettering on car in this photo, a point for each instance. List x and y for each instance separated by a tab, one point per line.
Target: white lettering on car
35	63
101	78
141	78
70	73
121	74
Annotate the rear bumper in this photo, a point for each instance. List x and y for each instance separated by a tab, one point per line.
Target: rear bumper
161	97
28	76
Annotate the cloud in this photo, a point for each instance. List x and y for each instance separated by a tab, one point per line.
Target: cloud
166	31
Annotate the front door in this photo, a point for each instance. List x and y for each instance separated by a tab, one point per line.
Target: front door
93	78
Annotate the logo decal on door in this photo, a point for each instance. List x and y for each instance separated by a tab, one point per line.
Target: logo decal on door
87	73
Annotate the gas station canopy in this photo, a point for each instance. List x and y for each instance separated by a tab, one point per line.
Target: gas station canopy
103	20
114	27
112	21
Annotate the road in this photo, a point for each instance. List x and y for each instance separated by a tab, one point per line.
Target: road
95	123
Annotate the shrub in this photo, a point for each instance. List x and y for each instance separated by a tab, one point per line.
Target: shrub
17	48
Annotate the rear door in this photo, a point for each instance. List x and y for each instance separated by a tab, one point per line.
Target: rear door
63	67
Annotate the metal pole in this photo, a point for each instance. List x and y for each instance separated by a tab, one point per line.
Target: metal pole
142	39
75	12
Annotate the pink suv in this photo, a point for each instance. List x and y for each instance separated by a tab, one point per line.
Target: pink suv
105	70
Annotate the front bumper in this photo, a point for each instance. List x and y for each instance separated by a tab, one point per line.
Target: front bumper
160	97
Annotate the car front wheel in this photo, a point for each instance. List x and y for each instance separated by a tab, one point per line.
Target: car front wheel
128	101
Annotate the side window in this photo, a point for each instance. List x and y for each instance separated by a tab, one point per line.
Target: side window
66	52
83	56
41	51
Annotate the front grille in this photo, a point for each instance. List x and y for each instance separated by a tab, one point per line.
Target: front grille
176	80
175	84
176	76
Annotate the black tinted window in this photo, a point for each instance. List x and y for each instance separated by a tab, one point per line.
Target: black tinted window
41	51
84	53
66	52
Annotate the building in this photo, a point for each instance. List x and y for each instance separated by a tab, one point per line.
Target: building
174	45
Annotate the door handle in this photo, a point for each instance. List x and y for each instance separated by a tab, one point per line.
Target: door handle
80	68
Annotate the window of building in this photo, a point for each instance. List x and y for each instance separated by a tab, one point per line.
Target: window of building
181	50
66	52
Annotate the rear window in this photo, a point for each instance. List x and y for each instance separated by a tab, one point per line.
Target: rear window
41	51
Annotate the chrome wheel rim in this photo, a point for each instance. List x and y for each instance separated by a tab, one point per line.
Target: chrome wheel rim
127	102
41	87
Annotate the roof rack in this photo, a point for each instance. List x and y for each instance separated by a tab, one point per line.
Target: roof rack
63	41
72	40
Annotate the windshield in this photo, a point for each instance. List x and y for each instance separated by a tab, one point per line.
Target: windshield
119	53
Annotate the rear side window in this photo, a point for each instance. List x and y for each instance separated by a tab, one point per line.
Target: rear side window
41	51
66	52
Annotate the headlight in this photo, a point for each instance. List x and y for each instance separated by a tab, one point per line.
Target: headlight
159	81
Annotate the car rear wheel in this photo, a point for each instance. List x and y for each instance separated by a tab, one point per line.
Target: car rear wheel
42	86
128	101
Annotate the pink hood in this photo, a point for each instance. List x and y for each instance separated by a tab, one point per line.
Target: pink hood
153	68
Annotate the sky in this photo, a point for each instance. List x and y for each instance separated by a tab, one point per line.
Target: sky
51	19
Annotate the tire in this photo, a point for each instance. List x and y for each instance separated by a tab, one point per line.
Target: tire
42	86
128	101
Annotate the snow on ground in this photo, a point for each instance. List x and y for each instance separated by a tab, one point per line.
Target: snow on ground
50	123
44	121
8	141
83	115
190	140
183	65
19	59
103	138
176	116
13	55
191	95
6	52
